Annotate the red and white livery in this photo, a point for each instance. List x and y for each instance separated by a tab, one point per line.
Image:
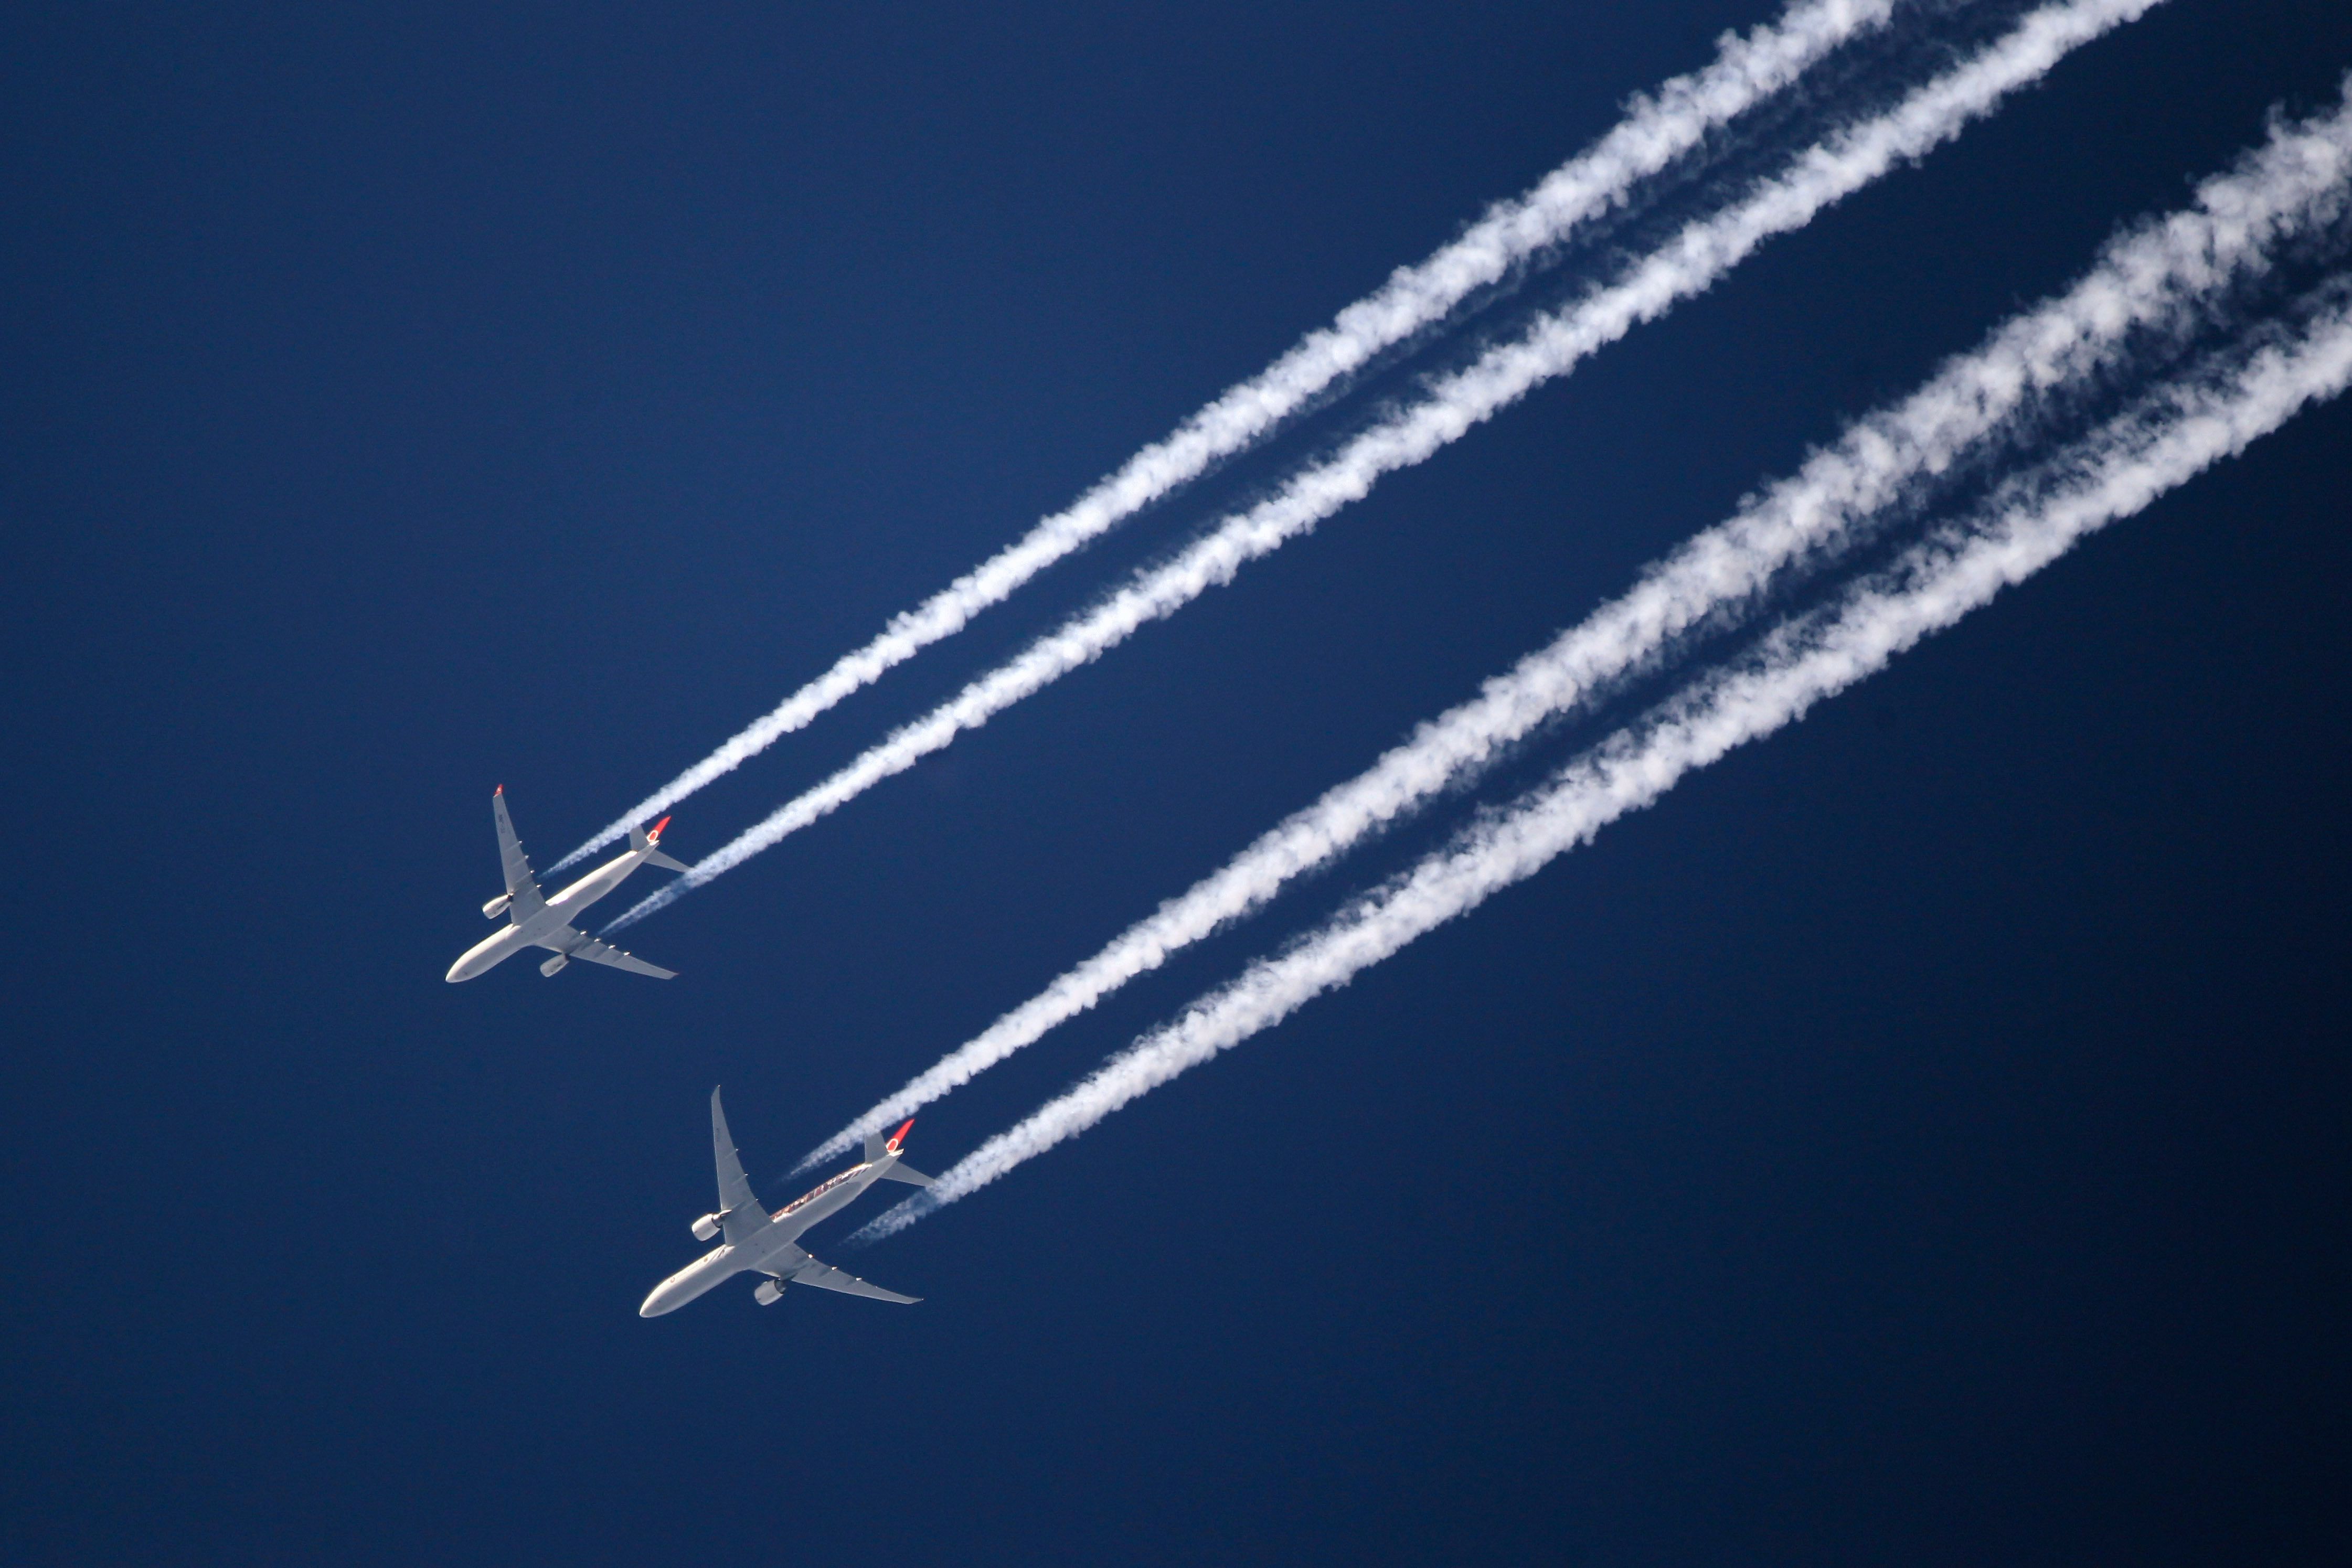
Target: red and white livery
535	920
758	1242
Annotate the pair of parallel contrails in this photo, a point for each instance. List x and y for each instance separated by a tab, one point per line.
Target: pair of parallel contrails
2152	284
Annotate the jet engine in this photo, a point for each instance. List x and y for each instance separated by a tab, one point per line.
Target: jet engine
553	964
705	1228
497	906
770	1292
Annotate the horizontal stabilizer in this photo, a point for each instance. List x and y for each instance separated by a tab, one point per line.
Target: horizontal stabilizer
908	1174
882	1146
644	844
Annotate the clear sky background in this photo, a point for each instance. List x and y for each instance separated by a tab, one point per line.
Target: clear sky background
1921	1138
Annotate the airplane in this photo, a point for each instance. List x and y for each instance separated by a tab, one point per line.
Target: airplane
756	1242
535	920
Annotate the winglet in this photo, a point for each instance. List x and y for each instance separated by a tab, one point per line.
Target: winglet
499	790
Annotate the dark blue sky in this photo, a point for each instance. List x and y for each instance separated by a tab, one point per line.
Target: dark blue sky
1923	1137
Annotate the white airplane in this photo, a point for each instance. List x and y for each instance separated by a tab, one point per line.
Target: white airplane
759	1243
535	920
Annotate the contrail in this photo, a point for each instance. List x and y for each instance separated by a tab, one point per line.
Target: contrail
2162	278
2161	444
1658	127
1702	253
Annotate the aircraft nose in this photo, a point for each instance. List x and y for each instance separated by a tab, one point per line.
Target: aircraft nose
654	1306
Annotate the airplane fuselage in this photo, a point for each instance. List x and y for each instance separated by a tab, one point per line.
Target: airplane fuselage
560	911
765	1246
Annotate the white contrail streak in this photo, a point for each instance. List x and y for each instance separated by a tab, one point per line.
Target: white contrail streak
2163	278
2133	461
1658	127
1691	262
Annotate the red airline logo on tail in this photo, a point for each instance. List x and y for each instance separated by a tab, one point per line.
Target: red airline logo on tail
893	1144
657	828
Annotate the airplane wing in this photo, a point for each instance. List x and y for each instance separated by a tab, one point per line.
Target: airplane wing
575	942
798	1268
744	1217
597	952
522	885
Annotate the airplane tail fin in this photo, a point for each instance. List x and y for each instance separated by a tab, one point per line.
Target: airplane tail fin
641	840
878	1147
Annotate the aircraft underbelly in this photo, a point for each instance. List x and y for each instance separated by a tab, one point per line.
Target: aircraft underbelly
698	1277
773	1243
489	953
587	891
825	1207
540	925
